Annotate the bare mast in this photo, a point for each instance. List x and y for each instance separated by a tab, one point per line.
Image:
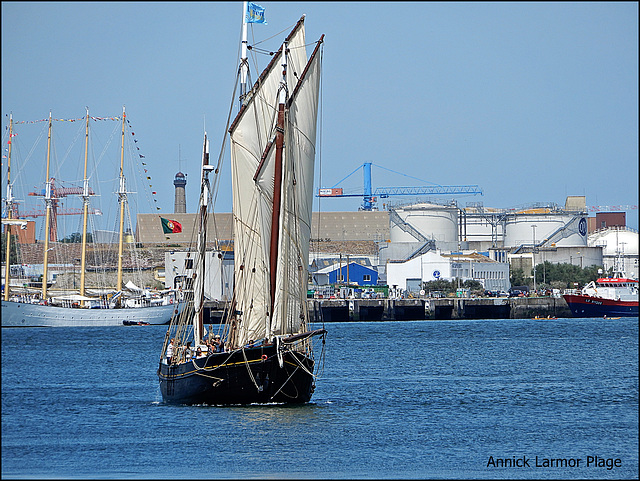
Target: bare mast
122	198
85	202
244	61
198	294
7	264
48	201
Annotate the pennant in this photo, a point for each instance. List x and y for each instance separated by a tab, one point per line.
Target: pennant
255	13
170	226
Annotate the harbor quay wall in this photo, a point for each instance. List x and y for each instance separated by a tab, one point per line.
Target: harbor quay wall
354	310
342	310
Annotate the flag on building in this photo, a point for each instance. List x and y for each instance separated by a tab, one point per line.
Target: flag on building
170	226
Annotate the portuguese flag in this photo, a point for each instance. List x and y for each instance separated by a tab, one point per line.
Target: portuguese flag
170	226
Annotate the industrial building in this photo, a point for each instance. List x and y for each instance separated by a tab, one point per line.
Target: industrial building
417	242
179	271
434	265
350	270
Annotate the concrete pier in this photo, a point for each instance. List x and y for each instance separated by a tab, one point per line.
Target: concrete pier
341	310
365	310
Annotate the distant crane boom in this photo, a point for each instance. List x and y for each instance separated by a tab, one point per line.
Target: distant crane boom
384	192
370	197
611	208
57	193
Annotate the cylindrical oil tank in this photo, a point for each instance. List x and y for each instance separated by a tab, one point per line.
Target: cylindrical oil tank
478	227
561	229
615	242
433	221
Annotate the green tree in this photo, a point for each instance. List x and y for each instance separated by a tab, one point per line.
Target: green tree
440	285
563	276
517	277
472	285
475	287
76	238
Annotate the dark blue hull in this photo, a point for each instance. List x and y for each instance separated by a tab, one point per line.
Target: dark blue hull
240	377
587	306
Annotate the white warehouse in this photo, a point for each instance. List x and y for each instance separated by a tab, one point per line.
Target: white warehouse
433	265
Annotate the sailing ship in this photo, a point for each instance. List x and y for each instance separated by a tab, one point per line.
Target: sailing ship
263	351
29	309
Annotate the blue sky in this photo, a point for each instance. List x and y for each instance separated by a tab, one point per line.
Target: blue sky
530	101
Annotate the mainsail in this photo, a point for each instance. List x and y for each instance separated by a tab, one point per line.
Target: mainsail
262	311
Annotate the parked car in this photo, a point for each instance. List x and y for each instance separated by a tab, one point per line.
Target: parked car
518	291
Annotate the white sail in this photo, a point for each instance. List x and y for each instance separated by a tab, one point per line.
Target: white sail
297	194
252	159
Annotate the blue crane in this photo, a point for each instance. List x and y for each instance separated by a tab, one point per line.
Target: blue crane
370	196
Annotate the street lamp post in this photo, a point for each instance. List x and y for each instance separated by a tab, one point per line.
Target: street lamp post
459	268
533	256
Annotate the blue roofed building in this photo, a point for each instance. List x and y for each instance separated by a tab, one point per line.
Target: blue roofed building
351	273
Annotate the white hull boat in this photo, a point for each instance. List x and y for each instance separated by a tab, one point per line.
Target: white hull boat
23	314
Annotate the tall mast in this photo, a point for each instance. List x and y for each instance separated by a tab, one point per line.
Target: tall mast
277	182
85	202
198	290
7	263
48	201
244	62
122	197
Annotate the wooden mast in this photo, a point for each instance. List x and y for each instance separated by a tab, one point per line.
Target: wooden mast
7	264
198	321
48	202
122	194
85	202
277	183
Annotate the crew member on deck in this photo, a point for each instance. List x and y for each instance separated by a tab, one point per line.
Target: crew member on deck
170	351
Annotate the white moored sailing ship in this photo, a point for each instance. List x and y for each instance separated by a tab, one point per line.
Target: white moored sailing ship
26	308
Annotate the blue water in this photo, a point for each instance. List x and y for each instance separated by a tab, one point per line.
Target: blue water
419	399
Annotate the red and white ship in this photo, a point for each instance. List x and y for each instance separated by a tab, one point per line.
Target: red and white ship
615	296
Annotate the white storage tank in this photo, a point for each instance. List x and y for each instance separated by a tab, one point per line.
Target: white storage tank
615	241
433	221
477	228
562	229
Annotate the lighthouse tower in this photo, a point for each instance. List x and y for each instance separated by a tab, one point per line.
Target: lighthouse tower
180	204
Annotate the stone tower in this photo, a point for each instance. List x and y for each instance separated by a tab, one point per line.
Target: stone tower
180	204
